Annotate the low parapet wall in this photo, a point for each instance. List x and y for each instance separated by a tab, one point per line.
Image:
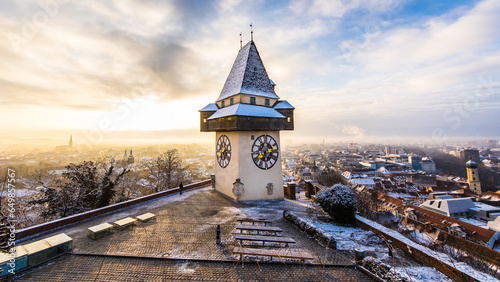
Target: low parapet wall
310	229
418	252
480	252
36	229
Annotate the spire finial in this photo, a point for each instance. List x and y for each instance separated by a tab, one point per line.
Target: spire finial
241	41
251	32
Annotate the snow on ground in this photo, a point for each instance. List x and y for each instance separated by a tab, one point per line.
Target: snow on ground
422	238
374	247
441	256
351	238
421	273
20	193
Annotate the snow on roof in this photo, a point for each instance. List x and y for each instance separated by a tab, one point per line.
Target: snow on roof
212	107
485	207
444	197
450	206
248	75
400	195
362	181
494	225
246	110
459	205
475	222
283	105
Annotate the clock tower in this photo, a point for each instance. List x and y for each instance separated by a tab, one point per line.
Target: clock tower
247	119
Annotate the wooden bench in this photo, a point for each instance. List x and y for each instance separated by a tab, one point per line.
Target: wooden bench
98	231
254	220
146	217
258	228
283	253
124	223
264	239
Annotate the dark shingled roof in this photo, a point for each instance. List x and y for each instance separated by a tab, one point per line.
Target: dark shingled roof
248	75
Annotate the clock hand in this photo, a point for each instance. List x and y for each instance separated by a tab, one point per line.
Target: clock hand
270	149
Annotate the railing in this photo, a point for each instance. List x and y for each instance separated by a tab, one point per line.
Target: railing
36	229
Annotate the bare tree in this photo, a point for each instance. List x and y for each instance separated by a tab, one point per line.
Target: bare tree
329	178
128	187
367	204
166	170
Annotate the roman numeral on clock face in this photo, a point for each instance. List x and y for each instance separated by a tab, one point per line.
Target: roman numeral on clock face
265	152
223	151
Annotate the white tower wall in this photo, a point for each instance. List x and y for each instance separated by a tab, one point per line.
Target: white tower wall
241	166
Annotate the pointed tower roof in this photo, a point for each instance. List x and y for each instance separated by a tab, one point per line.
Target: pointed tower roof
248	75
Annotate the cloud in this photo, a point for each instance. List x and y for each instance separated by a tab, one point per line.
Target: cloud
102	50
346	76
338	8
432	65
435	40
353	130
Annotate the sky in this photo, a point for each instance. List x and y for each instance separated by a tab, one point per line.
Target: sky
355	70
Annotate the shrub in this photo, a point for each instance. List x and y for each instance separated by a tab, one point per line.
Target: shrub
339	202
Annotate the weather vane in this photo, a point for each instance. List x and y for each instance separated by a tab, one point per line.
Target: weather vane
251	32
241	41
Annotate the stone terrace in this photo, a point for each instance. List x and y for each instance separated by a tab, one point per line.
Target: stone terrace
180	244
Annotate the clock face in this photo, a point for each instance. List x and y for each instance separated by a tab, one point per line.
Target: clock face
223	151
265	152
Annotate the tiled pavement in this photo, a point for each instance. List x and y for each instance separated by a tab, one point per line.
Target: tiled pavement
185	229
83	268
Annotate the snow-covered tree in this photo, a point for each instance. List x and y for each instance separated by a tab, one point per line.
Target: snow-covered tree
85	186
339	202
4	233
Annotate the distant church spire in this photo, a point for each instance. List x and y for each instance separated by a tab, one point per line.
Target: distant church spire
130	157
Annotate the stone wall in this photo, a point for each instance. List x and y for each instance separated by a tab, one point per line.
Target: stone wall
423	257
36	229
310	229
